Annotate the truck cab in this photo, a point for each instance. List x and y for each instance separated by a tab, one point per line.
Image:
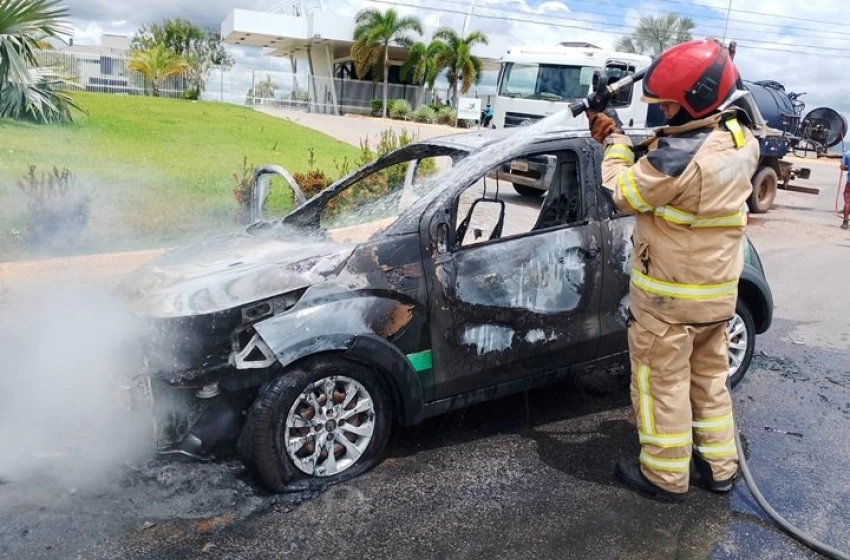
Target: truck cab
535	82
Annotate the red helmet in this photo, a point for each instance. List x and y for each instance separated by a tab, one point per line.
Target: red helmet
698	75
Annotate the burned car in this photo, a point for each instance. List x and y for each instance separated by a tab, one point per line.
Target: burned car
414	286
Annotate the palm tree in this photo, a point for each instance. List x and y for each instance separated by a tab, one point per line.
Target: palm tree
27	90
157	64
373	33
654	35
455	56
421	64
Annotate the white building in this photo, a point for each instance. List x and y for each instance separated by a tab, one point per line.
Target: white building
324	39
105	68
102	68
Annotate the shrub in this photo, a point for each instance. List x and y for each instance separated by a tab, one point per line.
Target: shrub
377	106
58	209
314	180
400	109
242	191
343	167
425	114
446	115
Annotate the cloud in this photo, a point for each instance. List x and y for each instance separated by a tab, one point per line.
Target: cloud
758	26
206	13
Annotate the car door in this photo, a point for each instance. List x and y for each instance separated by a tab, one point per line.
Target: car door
522	302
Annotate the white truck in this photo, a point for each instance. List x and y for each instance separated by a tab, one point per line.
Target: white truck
537	81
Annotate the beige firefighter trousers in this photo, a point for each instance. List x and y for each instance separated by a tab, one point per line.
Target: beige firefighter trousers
681	401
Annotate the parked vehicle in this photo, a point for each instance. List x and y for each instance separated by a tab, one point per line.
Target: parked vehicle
535	82
391	297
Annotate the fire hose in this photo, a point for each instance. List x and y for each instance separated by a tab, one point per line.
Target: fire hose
598	101
838	207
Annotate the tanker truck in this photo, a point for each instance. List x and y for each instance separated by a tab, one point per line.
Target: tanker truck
535	82
781	129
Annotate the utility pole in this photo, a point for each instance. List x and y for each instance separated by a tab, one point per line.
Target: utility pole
466	21
467	18
726	27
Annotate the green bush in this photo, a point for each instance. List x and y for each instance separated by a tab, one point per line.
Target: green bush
314	180
400	109
377	106
242	190
425	114
446	115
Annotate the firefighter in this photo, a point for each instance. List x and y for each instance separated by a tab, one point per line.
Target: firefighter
688	195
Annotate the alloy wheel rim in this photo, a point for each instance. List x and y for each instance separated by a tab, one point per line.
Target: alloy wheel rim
738	340
329	426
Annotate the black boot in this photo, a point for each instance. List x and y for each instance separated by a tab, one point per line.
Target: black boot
629	472
706	478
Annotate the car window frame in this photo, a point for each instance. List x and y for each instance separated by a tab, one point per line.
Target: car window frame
536	149
309	214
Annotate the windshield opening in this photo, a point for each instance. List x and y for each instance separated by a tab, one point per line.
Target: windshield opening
370	200
554	82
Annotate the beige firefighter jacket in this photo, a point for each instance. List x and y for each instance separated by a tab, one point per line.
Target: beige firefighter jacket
689	196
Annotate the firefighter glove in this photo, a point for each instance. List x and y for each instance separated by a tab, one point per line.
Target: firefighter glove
604	124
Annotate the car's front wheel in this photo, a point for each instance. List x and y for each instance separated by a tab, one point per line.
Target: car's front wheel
316	424
742	342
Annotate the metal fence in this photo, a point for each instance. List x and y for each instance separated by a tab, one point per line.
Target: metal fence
302	91
109	72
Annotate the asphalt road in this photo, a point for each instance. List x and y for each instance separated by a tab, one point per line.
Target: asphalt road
528	476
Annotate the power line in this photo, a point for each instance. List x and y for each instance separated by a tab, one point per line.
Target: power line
742	42
721	18
831	35
609	14
693	4
735	10
618	26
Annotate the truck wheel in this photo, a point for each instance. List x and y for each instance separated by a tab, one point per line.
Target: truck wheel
528	191
317	424
765	183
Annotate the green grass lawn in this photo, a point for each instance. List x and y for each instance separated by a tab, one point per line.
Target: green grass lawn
161	169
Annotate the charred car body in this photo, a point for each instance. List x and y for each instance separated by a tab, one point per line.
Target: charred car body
300	342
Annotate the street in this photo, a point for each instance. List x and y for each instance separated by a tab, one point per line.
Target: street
528	476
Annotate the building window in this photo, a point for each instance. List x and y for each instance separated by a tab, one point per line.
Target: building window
106	65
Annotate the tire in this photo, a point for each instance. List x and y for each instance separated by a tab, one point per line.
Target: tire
765	182
263	443
740	328
528	191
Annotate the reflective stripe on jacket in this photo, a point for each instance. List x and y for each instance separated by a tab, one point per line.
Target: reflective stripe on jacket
689	195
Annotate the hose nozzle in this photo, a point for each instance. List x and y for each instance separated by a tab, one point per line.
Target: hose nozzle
603	94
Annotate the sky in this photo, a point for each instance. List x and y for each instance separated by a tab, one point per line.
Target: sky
800	44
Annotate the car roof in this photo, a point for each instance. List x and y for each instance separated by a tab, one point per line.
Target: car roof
476	139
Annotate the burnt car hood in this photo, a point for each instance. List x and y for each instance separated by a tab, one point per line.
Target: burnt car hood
226	272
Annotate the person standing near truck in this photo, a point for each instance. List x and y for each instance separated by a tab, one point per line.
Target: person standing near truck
845	166
688	195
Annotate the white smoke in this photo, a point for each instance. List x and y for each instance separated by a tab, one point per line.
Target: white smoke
59	346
